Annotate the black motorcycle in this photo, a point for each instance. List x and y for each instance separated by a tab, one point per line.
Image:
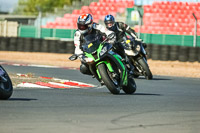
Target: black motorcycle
137	55
6	87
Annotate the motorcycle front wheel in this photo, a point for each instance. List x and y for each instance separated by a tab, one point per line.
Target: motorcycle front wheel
111	83
147	72
6	88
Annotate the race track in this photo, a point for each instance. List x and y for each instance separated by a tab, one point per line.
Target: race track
161	105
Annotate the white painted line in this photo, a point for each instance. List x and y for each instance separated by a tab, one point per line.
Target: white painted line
60	84
45	66
63	80
31	85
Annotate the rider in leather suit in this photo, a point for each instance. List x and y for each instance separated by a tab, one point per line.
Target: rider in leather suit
120	30
86	26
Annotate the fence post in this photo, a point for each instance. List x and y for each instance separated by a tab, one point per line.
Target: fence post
140	23
195	31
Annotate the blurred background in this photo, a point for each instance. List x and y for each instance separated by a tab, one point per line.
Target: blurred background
171	28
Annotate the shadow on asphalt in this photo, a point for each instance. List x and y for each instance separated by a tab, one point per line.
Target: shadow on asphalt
147	94
21	99
141	94
154	78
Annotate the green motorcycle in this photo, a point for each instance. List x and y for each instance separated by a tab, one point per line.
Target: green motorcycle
106	65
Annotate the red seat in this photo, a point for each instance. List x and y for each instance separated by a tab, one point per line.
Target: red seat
93	8
67	15
102	1
76	12
93	4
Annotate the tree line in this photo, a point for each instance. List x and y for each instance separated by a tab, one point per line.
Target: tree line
32	7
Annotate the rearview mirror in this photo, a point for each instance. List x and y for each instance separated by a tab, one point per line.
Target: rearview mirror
73	57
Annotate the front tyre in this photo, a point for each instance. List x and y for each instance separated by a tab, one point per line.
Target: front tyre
131	87
108	80
147	73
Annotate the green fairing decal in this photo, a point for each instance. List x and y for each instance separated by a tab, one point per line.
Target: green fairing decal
89	55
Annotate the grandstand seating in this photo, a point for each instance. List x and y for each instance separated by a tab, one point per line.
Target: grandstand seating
166	17
97	9
161	17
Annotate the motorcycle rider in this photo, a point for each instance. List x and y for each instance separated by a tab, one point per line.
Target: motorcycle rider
86	26
120	30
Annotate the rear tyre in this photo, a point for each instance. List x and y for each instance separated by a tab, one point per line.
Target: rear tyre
113	87
131	87
147	73
6	88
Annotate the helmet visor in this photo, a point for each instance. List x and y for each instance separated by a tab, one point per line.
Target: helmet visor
109	24
82	27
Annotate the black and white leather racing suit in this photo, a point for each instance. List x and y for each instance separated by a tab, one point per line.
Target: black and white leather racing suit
121	29
79	40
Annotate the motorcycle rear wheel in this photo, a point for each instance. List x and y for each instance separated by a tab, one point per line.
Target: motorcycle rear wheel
131	87
6	88
108	81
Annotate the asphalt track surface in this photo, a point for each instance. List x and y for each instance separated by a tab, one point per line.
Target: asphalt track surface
161	105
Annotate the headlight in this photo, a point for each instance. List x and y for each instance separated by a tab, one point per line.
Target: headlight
131	52
89	59
103	51
137	48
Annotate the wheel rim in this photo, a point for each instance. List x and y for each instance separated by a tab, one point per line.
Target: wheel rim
114	79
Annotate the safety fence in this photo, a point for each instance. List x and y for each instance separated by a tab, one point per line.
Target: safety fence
161	39
35	32
155	52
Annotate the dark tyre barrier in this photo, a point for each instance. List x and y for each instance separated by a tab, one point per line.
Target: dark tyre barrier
155	52
28	45
37	45
61	47
149	51
70	47
20	44
193	51
183	54
44	45
164	52
198	54
173	53
4	43
53	46
13	44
